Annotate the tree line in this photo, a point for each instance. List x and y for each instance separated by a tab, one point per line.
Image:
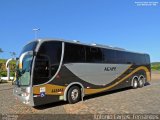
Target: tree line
3	71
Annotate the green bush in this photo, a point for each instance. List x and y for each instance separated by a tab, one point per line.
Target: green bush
3	72
12	74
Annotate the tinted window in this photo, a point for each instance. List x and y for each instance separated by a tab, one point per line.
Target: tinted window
147	59
42	67
47	61
121	57
94	55
135	58
141	59
129	58
109	56
74	53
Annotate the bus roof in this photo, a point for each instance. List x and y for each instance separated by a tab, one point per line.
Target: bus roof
78	42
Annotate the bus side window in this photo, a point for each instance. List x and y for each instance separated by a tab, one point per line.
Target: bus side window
121	57
94	55
74	53
41	70
47	61
42	67
109	56
147	59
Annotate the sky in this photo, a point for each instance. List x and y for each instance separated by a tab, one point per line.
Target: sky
118	23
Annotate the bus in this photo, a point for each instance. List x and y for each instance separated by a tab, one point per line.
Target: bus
51	70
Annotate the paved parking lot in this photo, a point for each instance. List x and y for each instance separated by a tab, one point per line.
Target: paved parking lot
141	100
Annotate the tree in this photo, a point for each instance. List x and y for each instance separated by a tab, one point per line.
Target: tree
1	51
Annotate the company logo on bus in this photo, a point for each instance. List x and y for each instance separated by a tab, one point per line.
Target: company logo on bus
110	69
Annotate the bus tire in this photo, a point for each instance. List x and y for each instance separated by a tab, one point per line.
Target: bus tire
74	94
141	82
135	83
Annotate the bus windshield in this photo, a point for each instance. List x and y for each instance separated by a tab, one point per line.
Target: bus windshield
23	75
29	47
23	72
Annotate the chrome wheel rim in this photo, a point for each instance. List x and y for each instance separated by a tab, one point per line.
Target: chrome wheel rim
74	94
135	83
141	82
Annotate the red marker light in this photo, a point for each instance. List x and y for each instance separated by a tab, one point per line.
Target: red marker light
58	76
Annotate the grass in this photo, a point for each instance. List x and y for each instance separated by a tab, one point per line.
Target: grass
155	66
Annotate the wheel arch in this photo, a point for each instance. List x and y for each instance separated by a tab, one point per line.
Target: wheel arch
73	84
144	78
141	76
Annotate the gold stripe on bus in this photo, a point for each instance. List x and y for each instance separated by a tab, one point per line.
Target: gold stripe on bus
129	67
50	89
91	91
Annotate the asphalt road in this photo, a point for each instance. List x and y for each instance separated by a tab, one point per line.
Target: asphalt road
144	100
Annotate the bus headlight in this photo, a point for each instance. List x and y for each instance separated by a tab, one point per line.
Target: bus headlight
25	94
26	101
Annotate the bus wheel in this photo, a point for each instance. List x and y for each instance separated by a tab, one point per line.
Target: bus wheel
74	94
141	82
135	83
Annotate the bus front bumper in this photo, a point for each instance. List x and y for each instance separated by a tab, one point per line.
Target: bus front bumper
22	96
